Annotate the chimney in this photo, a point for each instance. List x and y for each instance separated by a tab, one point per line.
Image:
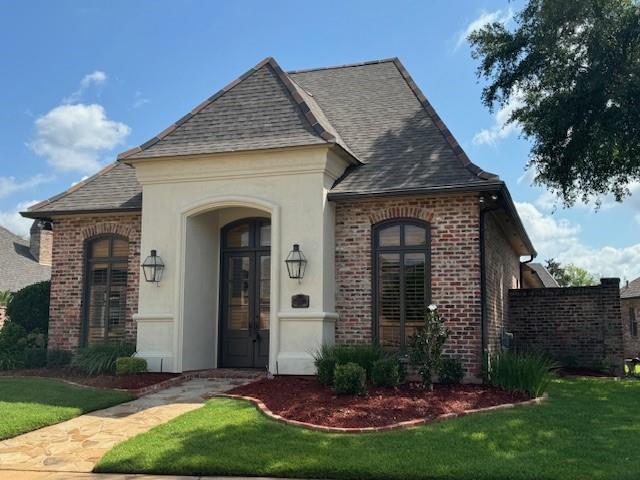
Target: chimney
41	242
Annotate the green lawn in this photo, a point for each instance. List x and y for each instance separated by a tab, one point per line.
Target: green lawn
30	403
588	429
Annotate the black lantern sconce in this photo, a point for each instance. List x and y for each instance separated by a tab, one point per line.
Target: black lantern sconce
296	263
153	267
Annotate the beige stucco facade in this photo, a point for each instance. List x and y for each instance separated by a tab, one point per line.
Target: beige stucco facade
187	201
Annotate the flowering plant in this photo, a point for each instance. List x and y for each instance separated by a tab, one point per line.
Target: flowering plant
426	345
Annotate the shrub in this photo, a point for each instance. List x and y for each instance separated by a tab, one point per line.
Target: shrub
325	363
329	356
58	358
29	307
425	347
350	379
451	371
99	359
130	365
387	372
13	341
524	372
5	298
35	357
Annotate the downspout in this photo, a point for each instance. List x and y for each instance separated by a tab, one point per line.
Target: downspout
483	282
522	264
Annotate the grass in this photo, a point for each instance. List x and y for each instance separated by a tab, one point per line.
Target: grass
30	403
588	429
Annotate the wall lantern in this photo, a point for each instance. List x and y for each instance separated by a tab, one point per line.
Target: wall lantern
153	267
296	263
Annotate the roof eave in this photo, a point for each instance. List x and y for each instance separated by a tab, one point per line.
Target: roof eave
49	214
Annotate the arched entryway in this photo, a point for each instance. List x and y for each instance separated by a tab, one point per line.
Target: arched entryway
245	290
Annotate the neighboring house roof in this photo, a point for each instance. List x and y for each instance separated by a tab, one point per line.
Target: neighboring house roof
546	279
373	111
631	290
18	268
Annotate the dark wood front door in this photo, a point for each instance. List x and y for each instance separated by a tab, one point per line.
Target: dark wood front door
245	293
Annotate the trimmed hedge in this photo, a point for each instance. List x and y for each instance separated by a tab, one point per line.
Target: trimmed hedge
130	365
350	379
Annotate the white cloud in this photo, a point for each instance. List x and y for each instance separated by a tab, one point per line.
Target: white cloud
95	78
139	100
9	185
501	127
71	137
559	238
13	221
483	19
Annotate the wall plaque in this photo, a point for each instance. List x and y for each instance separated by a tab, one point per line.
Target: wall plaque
300	301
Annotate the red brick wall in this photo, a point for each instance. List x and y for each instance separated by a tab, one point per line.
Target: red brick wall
631	344
455	266
67	273
502	272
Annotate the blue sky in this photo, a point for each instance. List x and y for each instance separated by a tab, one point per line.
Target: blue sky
82	81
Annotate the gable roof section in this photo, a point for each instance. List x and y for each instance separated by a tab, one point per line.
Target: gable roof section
18	268
388	123
543	274
262	109
115	188
632	290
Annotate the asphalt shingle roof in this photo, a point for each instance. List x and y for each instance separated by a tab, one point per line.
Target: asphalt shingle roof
543	274
632	290
18	268
372	110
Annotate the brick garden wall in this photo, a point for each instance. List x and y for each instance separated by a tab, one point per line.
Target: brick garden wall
631	343
502	273
455	266
67	273
581	323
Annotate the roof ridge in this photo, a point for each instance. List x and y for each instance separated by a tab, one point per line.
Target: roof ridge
346	65
440	125
73	188
319	129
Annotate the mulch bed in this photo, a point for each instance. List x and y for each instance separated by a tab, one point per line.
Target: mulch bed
305	400
122	382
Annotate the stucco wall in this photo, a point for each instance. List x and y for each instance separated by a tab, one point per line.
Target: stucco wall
580	324
502	272
67	273
631	343
455	267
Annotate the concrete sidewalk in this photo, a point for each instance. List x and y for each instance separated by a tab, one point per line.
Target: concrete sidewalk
78	444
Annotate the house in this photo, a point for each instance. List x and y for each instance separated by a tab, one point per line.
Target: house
22	262
630	306
535	275
349	167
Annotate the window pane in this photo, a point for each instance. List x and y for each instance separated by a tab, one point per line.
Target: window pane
265	291
120	248
238	236
414	291
389	237
97	307
389	299
100	248
117	301
265	235
238	293
414	235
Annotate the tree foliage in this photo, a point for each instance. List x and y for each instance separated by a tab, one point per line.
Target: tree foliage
570	275
571	69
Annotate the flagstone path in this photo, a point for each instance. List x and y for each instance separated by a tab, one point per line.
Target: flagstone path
77	444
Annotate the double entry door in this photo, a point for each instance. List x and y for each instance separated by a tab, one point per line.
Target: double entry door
245	294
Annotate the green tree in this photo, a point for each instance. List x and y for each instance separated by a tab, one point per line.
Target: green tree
570	275
571	69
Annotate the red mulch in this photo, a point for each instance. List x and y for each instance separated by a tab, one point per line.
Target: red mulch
124	382
305	400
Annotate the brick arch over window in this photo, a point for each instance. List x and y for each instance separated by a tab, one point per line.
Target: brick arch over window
105	228
401	212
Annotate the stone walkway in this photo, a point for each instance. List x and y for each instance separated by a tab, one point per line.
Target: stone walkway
77	444
21	475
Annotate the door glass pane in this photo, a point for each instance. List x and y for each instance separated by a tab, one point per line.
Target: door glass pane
414	291
238	270
238	236
117	301
265	234
389	299
97	307
265	291
389	237
414	235
100	248
120	248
